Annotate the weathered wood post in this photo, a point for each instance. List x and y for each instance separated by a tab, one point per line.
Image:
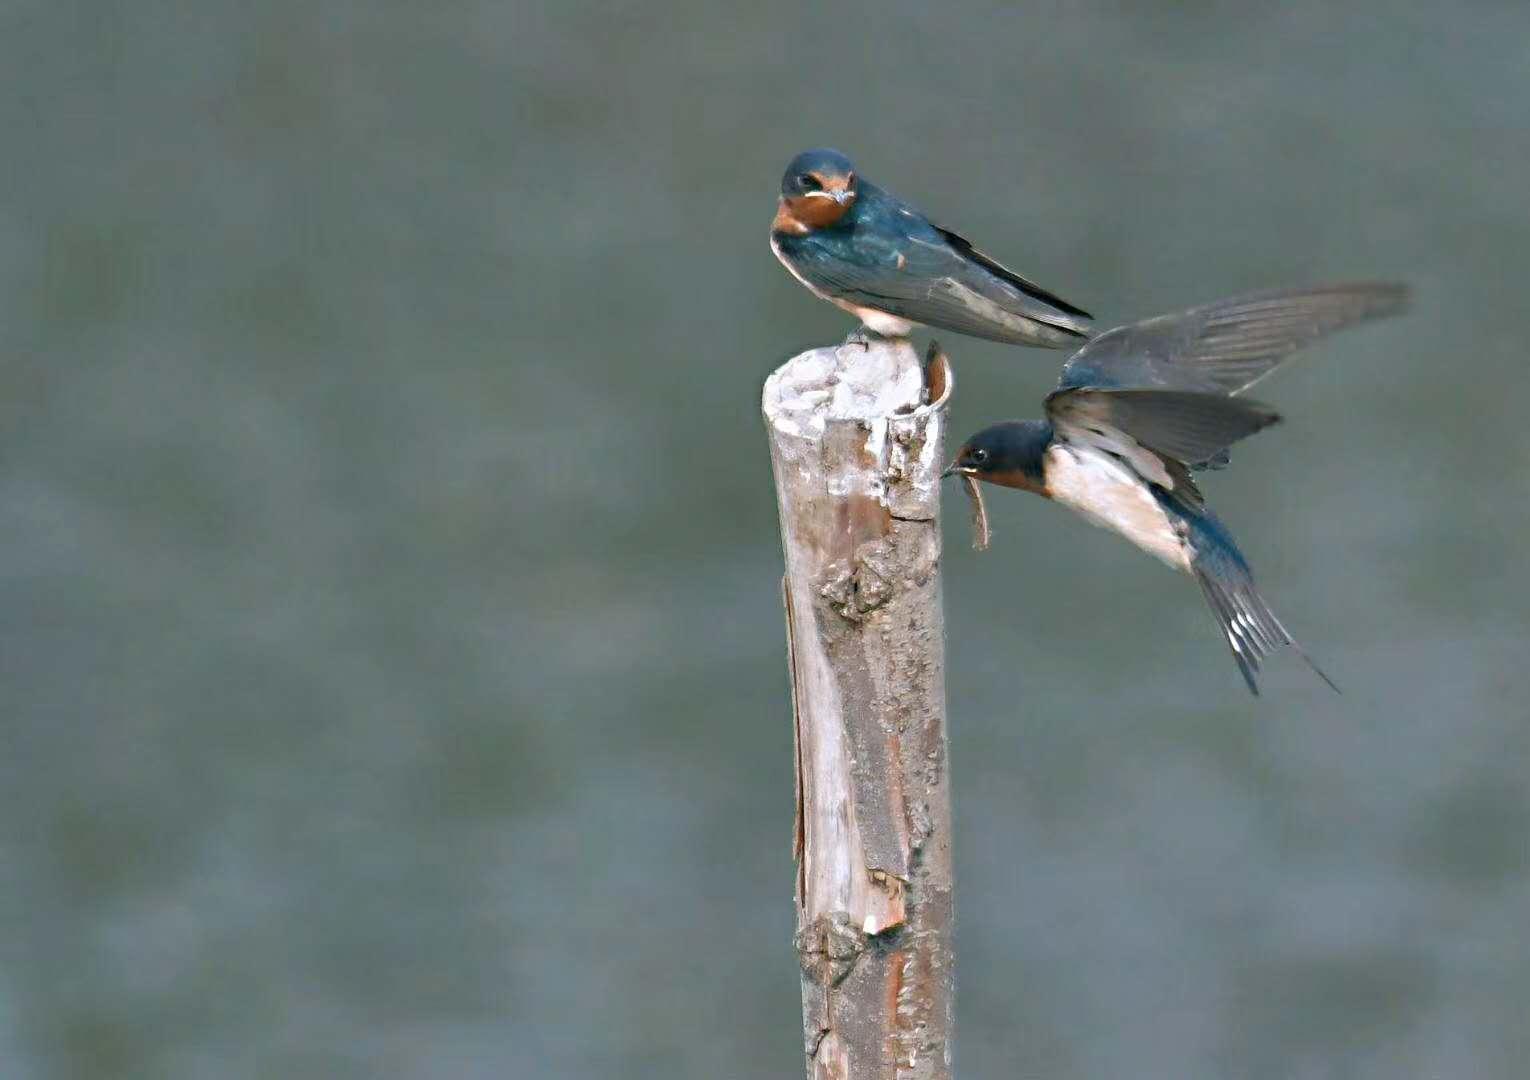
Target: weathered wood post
857	444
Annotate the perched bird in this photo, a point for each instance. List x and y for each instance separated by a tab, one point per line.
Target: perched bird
866	251
1140	406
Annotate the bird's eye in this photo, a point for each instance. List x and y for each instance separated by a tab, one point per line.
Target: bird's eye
809	182
980	457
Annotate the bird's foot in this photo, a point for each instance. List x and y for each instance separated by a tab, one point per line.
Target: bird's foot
861	336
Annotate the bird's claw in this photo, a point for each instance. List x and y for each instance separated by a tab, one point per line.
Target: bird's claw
861	337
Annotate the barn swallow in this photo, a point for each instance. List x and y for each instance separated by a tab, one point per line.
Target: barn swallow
1142	405
866	251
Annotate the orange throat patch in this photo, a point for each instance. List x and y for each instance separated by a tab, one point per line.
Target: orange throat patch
786	222
1018	479
804	213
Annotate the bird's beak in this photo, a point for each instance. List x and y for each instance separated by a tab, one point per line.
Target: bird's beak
842	196
956	469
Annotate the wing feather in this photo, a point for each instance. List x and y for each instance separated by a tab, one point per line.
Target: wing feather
964	247
1227	346
1190	428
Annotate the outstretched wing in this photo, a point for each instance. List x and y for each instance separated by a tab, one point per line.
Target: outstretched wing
1161	434
1227	346
895	261
1189	427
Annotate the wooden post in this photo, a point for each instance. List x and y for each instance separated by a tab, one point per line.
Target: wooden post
857	445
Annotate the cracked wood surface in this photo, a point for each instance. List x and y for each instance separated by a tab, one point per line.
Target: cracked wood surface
856	436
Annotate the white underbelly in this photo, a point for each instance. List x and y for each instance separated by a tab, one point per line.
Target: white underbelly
1112	497
878	322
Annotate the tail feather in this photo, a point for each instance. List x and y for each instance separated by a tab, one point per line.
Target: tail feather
1246	653
1250	627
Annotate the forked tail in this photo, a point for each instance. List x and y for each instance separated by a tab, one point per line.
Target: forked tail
1250	627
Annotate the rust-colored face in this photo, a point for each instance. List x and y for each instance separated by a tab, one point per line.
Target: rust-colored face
1010	454
1013	478
827	203
815	200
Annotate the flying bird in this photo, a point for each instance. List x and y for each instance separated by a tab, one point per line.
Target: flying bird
1140	406
870	253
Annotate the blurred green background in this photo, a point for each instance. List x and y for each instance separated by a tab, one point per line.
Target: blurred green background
393	677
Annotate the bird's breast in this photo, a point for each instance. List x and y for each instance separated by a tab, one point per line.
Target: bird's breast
878	322
786	261
1111	496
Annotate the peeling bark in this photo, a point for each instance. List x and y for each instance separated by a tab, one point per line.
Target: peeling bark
856	436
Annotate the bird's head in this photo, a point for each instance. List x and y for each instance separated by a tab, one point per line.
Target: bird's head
818	188
1008	454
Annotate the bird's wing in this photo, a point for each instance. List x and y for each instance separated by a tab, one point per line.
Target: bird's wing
1227	346
1191	428
963	247
895	261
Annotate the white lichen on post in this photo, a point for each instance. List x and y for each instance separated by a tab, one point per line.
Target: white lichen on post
856	438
